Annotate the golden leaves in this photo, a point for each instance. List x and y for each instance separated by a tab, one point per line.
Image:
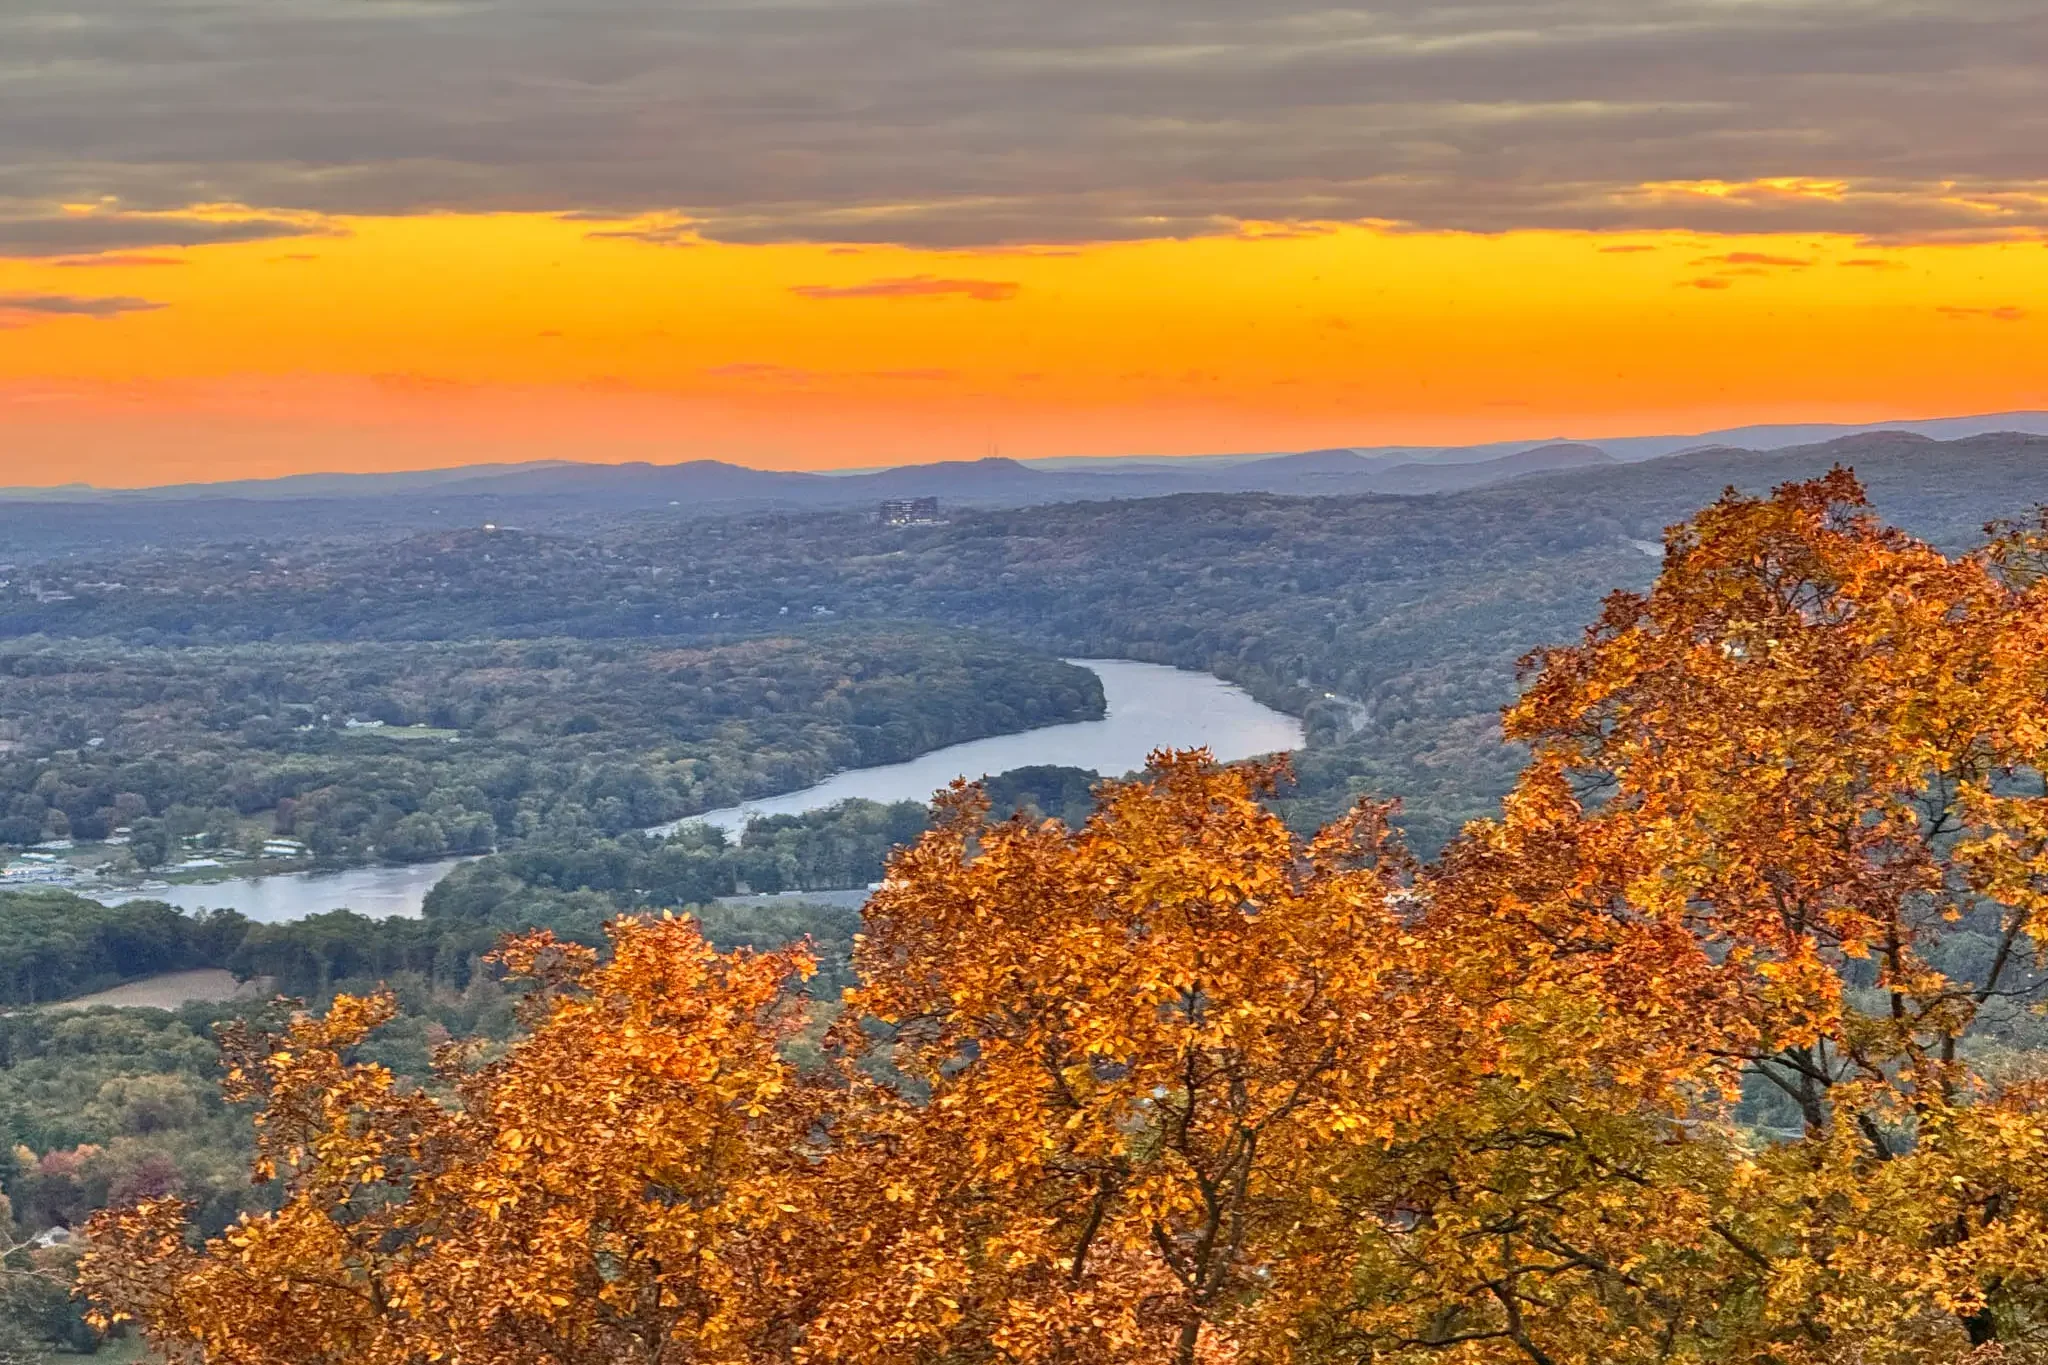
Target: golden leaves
1811	743
1136	1037
607	1180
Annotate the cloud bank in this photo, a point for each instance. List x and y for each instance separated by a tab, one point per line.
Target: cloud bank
73	305
966	122
28	232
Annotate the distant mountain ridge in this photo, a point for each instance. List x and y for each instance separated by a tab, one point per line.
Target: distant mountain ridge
572	496
699	484
1448	477
1626	449
1343	469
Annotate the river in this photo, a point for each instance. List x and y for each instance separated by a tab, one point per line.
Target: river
1150	706
379	892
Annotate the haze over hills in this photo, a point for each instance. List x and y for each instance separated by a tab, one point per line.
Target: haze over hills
1769	436
1391	623
1265	471
569	495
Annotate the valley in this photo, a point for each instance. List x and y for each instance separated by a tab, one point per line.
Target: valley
438	738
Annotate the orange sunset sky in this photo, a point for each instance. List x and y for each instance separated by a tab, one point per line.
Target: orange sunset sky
1191	231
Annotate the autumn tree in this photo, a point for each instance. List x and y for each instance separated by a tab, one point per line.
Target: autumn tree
1134	1044
618	1187
1568	1199
1782	829
1808	765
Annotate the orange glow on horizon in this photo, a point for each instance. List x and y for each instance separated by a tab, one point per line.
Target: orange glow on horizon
390	343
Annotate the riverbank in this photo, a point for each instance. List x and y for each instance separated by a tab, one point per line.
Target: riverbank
1148	707
379	892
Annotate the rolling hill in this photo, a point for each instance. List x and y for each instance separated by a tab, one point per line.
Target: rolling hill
569	496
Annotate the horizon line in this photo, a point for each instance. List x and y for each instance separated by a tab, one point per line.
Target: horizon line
1507	445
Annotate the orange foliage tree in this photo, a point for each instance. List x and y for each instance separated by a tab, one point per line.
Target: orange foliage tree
1181	1086
620	1181
1818	747
1134	1046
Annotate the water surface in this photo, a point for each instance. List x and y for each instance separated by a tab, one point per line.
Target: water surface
379	892
1150	707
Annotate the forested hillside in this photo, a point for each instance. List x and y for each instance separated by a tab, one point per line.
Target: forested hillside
1392	624
414	750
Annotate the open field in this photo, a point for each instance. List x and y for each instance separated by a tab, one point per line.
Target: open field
170	990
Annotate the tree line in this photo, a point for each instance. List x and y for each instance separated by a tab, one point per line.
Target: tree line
56	945
408	752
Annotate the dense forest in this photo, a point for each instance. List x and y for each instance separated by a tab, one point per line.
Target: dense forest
408	751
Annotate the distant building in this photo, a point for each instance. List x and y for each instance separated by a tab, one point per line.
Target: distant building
910	511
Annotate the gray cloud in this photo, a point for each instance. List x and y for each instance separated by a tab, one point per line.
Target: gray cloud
652	236
70	234
971	122
115	260
74	305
